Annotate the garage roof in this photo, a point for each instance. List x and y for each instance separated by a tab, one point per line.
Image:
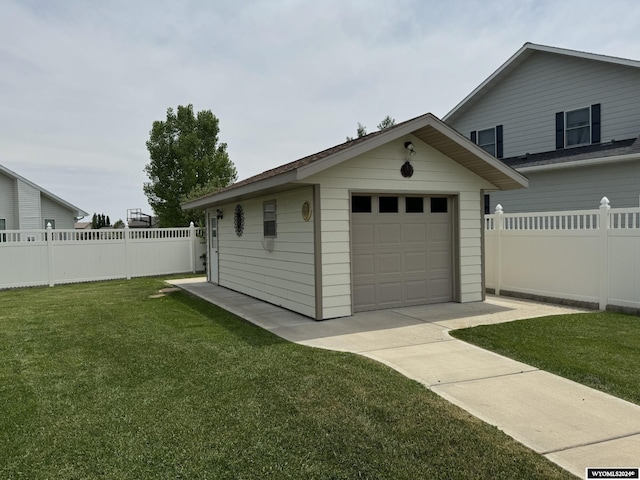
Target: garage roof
427	128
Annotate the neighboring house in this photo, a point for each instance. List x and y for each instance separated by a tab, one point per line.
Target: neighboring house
26	206
390	219
567	120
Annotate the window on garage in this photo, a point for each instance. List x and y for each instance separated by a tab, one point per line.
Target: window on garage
439	205
361	204
414	205
388	204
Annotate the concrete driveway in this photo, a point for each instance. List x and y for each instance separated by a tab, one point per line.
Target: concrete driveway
572	425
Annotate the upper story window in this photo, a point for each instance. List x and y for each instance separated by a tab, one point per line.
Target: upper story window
578	127
3	223
489	139
269	218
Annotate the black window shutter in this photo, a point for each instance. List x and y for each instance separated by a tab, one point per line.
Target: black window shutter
499	141
559	130
595	123
473	137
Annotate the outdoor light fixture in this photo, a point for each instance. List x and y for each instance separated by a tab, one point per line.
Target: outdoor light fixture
219	214
407	169
409	146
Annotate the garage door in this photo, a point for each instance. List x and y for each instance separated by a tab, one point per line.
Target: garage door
401	250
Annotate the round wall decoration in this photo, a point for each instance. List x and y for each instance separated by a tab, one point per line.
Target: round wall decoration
306	211
238	220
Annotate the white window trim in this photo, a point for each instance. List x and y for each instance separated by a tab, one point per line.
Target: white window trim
566	129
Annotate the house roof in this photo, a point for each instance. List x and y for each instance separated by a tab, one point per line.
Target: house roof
518	58
601	153
78	213
427	128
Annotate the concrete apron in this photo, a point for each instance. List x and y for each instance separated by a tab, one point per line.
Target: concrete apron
570	424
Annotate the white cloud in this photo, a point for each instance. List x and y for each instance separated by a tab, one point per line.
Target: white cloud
83	81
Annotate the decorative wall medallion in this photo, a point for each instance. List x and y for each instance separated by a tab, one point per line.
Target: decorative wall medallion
407	169
238	220
306	211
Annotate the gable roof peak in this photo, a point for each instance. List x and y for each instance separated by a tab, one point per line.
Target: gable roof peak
518	58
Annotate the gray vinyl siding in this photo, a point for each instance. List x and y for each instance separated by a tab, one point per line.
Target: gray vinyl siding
64	218
526	100
574	188
8	201
28	206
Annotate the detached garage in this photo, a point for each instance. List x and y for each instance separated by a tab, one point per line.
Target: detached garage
388	220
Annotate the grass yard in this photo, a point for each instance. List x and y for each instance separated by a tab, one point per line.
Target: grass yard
98	380
601	350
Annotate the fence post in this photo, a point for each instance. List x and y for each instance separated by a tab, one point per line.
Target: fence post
192	246
127	263
603	255
497	226
50	254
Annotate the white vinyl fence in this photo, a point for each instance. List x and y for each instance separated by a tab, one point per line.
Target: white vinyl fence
49	257
591	257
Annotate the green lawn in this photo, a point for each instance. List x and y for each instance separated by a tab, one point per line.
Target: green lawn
601	350
98	380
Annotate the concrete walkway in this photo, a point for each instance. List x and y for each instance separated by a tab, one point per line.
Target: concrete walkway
572	425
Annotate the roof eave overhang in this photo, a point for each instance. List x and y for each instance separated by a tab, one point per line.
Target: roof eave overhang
581	163
523	53
448	141
275	183
77	212
427	128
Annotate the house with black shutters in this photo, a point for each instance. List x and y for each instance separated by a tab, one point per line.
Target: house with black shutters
568	120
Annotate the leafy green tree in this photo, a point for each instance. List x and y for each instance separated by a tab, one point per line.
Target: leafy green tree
186	157
387	122
99	220
361	132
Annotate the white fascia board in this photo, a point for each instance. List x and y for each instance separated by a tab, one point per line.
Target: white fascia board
456	136
46	193
586	55
251	188
581	163
377	141
527	47
489	80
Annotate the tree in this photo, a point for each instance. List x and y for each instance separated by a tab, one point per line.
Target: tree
99	221
387	122
185	157
361	132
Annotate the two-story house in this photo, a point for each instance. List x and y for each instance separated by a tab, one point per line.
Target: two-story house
24	205
568	120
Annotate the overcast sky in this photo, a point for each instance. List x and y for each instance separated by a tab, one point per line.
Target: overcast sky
81	82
